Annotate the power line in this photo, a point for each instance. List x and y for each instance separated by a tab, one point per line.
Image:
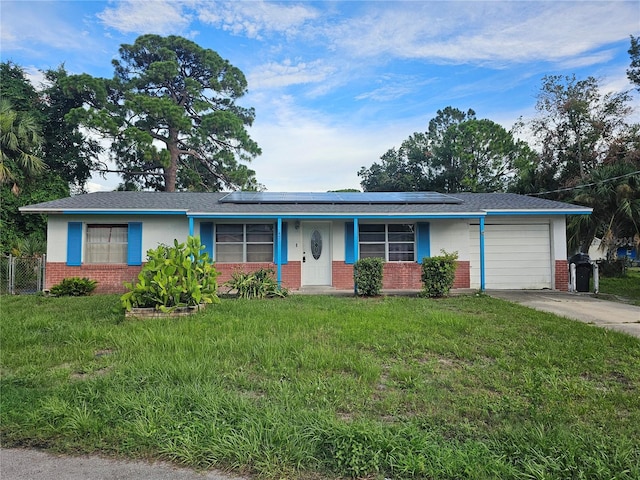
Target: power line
586	184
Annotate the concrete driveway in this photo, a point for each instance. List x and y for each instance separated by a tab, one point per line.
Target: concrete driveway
22	464
583	307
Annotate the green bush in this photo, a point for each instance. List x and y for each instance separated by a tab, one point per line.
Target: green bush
613	268
438	274
367	276
74	287
258	284
177	276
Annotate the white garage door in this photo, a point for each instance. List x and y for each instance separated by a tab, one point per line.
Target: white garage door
516	256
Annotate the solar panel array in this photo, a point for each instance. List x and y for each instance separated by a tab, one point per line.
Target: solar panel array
340	197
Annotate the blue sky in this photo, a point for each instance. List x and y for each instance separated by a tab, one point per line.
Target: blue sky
337	84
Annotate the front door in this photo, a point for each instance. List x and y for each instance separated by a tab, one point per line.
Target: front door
316	253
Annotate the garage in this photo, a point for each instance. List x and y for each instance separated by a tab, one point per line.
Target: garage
516	256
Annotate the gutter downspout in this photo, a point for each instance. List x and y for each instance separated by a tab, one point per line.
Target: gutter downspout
191	229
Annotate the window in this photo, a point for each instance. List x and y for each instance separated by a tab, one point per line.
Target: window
391	242
107	244
244	242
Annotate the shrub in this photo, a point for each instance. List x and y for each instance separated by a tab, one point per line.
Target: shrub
74	287
367	276
438	274
613	268
177	276
258	284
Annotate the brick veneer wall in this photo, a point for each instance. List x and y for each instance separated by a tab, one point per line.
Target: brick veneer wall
342	276
398	276
290	272
110	277
562	275
463	275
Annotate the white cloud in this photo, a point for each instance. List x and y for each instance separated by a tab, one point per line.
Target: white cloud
36	28
305	150
288	73
146	16
255	18
485	32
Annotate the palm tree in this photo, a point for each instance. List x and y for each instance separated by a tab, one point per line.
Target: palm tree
614	195
19	140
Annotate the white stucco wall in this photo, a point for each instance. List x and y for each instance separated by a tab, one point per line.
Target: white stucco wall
451	236
558	229
155	230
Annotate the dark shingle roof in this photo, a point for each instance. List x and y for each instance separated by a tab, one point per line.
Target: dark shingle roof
209	203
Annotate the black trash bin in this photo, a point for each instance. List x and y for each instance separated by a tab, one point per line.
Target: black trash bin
583	271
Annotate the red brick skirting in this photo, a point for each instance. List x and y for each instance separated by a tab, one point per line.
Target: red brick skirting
562	275
396	276
290	272
110	277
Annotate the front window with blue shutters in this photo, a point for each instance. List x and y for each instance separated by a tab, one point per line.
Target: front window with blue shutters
107	243
391	242
239	243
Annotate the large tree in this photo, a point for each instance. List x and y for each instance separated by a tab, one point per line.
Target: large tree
412	167
34	146
575	126
67	151
633	72
481	156
458	153
171	113
589	155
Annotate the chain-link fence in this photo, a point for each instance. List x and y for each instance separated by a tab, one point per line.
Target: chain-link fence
21	275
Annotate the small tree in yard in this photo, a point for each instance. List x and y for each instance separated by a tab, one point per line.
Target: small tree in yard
367	275
438	274
177	276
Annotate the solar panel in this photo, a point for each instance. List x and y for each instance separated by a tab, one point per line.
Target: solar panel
340	198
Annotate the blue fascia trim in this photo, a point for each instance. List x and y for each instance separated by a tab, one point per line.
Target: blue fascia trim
123	212
336	217
541	212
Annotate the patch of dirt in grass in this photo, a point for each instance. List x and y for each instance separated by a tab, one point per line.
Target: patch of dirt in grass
92	374
103	352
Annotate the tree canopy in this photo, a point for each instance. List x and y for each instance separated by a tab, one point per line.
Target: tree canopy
171	115
633	72
457	153
42	154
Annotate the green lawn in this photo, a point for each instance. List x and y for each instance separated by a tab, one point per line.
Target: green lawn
627	287
322	387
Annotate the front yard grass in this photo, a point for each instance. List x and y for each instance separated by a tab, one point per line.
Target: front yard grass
326	387
627	287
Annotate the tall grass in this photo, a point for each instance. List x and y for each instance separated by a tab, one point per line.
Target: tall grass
321	387
627	287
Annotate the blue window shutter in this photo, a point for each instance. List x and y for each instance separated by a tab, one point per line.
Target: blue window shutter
134	247
284	255
423	242
349	256
206	238
74	244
